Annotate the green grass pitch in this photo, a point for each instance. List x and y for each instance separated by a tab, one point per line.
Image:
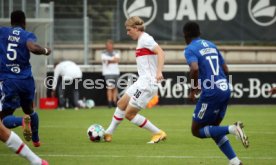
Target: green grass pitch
64	139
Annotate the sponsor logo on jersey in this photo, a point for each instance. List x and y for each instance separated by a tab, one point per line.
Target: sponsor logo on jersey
15	69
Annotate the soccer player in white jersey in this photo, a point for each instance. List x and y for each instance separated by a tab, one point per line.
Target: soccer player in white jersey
150	61
13	141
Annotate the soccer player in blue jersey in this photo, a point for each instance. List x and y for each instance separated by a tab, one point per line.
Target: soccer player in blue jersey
17	83
208	73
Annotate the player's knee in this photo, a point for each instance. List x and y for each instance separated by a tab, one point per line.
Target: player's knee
27	107
6	112
121	104
195	132
4	133
28	110
129	116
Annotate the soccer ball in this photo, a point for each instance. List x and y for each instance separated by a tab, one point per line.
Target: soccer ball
95	132
90	103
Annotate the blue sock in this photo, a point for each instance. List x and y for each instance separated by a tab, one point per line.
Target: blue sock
12	121
34	126
225	146
213	131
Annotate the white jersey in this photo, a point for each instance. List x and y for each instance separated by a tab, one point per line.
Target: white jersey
112	68
68	70
146	59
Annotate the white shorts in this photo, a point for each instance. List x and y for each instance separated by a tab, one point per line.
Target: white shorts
141	92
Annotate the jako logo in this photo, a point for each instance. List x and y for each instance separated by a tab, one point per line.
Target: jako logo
261	12
146	9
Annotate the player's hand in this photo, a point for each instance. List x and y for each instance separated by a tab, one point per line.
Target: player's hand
48	51
273	90
159	76
193	94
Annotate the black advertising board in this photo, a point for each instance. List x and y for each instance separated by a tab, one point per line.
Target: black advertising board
248	87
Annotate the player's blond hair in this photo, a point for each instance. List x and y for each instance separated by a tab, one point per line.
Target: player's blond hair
135	22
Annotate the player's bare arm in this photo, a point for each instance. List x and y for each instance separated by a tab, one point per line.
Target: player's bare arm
194	78
37	49
160	58
114	60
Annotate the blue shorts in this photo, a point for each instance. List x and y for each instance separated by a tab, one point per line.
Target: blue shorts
210	109
16	92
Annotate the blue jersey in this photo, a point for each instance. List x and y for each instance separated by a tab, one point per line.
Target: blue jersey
14	54
210	62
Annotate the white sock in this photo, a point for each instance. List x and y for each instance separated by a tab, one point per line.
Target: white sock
142	122
16	144
232	129
234	161
118	117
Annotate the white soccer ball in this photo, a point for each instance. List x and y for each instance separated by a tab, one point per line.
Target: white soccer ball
95	132
90	103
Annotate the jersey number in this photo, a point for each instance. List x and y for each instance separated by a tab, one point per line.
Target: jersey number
202	110
137	93
12	52
215	68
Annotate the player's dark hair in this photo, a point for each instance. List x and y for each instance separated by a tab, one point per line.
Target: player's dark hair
191	30
18	18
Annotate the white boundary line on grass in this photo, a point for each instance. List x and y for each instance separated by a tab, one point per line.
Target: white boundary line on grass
131	128
141	156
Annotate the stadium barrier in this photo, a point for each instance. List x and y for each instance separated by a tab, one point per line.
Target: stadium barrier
174	53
